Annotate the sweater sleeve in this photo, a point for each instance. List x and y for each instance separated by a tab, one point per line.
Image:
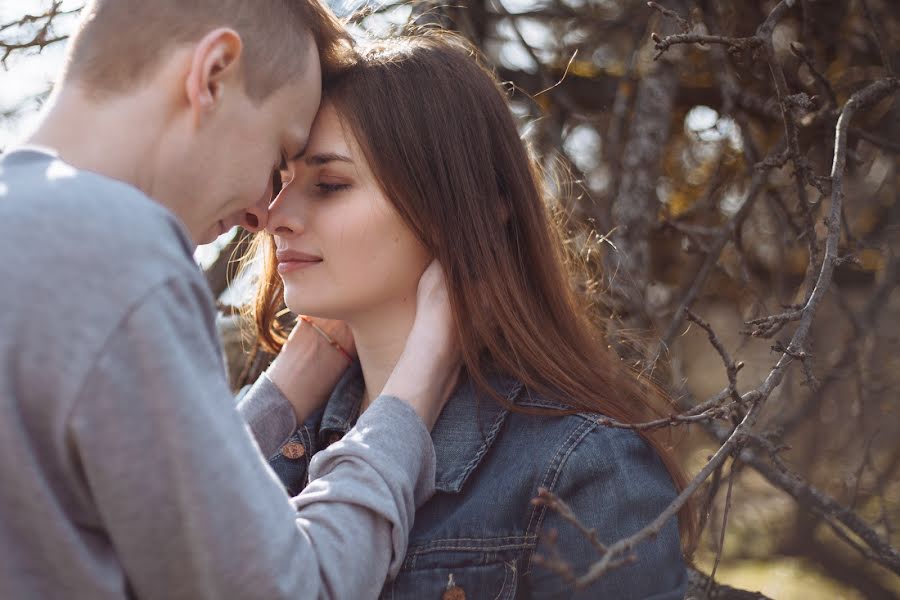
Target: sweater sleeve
188	504
268	414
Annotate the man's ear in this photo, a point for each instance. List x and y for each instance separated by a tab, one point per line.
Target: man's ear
215	64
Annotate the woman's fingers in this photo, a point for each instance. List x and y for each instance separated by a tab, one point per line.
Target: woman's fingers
429	366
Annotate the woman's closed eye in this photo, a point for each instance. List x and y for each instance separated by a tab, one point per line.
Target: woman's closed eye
330	188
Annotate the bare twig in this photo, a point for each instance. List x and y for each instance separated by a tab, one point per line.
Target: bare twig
865	97
725	511
880	38
801	52
41	38
877	548
881	142
546	498
682	22
731	368
698	281
733	441
734	44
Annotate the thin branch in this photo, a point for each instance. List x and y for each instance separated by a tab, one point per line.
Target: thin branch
682	22
41	38
733	43
712	258
546	498
877	140
734	440
880	40
808	496
801	52
726	510
731	368
692	416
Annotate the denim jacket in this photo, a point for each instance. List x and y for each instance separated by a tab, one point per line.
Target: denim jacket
478	536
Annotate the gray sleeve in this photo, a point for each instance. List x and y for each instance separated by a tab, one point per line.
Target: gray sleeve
189	505
268	414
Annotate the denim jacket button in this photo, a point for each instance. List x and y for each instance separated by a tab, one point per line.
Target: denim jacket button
453	591
293	450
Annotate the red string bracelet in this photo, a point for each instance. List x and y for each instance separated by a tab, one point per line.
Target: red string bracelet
327	337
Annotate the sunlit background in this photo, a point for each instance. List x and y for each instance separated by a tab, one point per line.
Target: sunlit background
701	183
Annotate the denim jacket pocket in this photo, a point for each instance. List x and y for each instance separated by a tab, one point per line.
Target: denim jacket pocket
494	581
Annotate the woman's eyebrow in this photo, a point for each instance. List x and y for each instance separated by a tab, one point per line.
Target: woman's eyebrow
325	158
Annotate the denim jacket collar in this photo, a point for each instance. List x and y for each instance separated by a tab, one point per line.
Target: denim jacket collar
463	434
342	408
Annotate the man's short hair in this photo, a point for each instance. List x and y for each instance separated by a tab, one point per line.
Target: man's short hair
120	42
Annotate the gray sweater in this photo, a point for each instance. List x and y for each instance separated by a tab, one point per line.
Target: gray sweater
124	469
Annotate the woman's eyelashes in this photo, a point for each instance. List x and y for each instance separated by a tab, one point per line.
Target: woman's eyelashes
330	188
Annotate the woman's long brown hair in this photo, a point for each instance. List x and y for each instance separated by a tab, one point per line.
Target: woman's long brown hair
437	132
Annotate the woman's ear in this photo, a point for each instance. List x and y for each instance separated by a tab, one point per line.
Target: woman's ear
215	67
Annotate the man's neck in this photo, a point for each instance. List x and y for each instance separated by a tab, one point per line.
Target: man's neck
113	138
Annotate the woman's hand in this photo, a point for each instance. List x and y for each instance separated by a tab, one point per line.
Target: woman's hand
308	367
430	364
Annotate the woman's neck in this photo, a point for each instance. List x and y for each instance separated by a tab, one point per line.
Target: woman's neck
380	337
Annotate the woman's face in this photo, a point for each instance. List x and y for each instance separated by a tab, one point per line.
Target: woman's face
342	249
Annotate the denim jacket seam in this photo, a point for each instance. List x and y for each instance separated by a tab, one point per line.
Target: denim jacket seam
456	483
411	560
512	567
488	442
555	465
340	425
532	402
508	543
306	438
554	470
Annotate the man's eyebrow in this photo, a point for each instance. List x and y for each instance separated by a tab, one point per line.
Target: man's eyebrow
325	158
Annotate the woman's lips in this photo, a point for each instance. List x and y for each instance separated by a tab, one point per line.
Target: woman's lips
291	260
290	266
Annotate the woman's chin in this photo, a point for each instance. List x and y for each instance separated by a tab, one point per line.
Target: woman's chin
310	309
301	308
298	302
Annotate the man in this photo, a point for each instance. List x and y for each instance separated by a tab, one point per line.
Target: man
125	470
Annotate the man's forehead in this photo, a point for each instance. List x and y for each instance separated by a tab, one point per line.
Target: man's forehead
295	113
299	141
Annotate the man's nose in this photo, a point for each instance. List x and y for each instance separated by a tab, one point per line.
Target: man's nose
256	217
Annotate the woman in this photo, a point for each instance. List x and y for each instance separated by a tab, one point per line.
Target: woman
415	155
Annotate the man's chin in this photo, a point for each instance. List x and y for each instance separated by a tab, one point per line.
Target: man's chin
211	234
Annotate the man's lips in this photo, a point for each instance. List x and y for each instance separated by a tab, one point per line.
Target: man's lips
294	260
